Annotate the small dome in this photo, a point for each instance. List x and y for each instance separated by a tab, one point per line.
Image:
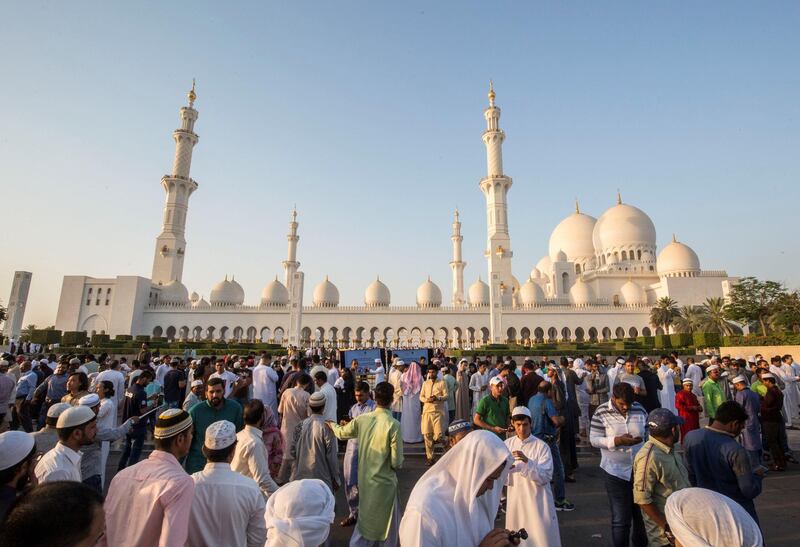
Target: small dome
173	292
621	226
429	295
536	274
479	294
633	294
377	295
201	303
677	258
326	295
227	293
561	256
545	265
573	236
194	297
581	294
274	293
531	293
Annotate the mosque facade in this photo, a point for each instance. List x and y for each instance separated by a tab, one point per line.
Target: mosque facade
599	281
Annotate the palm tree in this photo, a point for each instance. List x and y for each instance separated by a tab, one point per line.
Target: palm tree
713	312
664	312
689	319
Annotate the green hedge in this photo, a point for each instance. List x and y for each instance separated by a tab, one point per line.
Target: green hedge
662	341
681	339
647	341
74	338
757	340
100	339
142	338
123	337
706	339
46	336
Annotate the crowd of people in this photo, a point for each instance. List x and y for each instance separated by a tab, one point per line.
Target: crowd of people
246	448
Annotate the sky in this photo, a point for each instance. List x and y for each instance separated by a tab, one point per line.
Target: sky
368	117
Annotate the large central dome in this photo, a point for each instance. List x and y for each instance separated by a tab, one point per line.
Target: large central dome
624	227
573	235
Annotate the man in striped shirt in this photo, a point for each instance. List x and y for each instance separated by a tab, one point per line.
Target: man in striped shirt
618	429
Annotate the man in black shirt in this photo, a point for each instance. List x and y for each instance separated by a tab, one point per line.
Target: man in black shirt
174	385
652	386
136	404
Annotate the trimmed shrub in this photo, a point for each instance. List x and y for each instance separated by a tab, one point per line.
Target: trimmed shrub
647	341
662	341
142	338
100	339
73	338
680	339
46	336
123	337
706	339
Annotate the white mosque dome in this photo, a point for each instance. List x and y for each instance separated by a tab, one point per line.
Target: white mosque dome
326	295
531	293
623	227
201	303
274	293
633	294
545	266
573	236
429	295
677	258
227	293
479	294
174	292
194	297
581	294
377	295
536	274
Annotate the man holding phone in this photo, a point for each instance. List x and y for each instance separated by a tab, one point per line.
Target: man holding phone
618	429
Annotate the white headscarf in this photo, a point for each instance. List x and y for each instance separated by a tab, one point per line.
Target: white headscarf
704	518
448	492
299	513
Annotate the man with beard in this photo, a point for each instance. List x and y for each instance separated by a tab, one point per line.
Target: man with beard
215	408
76	427
658	471
17	451
432	396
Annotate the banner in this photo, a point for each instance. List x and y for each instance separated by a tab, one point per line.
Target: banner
365	357
408	355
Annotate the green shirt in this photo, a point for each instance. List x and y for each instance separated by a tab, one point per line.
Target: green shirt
380	453
203	415
450	380
759	388
657	472
712	397
494	412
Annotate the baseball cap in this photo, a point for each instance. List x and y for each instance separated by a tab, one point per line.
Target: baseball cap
662	418
496	380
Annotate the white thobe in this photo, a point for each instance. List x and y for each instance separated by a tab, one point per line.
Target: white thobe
380	374
476	382
330	402
333	375
612	375
397	398
790	401
161	371
252	459
264	381
666	394
60	464
229	377
106	421
227	509
530	500
695	374
411	419
118	381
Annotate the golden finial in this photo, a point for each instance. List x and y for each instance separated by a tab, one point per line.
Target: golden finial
491	93
674	239
456	215
192	95
577	207
619	197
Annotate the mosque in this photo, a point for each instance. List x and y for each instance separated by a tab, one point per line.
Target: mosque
598	281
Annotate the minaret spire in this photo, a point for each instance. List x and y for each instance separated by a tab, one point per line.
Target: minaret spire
171	243
457	265
291	265
577	207
619	197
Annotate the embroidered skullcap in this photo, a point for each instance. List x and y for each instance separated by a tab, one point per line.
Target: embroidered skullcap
56	410
219	435
171	422
316	400
196	383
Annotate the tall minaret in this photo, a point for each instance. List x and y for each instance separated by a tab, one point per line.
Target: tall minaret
495	186
290	265
457	265
171	244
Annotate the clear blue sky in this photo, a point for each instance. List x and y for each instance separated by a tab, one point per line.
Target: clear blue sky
368	116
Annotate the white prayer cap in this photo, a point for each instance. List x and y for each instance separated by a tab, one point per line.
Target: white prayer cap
620	361
56	410
75	416
687	381
220	435
74	361
316	400
570	359
91	400
300	513
751	359
739	379
712	367
520	411
768	375
463	360
400	363
15	446
378	362
196	383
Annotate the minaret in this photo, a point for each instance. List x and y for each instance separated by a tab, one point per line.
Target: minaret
457	264
495	187
171	244
290	265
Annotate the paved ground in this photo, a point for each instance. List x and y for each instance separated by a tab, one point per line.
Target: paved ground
589	525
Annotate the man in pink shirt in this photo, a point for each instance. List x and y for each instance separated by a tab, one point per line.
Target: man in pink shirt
149	503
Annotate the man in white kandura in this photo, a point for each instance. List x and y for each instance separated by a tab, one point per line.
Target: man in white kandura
530	500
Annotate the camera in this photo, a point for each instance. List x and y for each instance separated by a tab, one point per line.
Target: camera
519	534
